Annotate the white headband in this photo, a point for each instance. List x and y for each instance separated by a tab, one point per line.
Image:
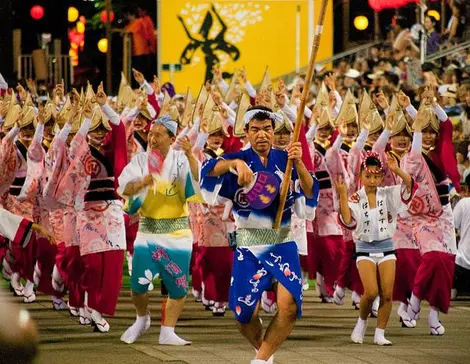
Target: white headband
269	114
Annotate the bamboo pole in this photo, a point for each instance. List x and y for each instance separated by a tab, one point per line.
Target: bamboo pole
300	111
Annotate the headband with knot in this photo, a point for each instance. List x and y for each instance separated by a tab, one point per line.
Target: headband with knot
168	123
372	155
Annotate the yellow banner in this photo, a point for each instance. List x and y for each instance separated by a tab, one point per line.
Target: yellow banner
231	34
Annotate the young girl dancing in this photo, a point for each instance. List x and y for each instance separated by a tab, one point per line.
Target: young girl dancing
372	214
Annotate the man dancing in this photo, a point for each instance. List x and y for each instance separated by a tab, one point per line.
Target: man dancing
262	254
164	241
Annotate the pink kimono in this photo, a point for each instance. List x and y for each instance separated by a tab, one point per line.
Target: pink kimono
406	248
337	161
92	178
216	257
8	163
32	190
326	245
20	259
433	224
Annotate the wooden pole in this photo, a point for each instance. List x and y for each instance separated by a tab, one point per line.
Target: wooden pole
346	15
300	112
443	16
377	31
109	70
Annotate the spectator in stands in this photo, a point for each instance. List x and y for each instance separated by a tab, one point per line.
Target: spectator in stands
141	49
432	36
150	36
456	26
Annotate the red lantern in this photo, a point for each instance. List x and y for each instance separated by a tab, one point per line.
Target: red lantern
104	17
37	12
379	5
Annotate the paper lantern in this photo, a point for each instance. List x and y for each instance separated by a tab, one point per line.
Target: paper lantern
37	12
72	14
80	27
379	5
104	18
82	19
434	14
103	45
361	22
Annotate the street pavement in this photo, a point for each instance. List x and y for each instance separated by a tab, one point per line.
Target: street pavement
321	336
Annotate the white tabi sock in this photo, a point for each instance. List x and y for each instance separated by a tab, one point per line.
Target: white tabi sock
414	307
434	323
141	324
379	337
356	297
405	318
269	361
375	306
168	337
359	331
28	293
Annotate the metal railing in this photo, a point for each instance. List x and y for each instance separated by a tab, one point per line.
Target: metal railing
362	50
58	68
448	52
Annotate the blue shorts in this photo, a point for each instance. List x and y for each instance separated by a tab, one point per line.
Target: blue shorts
253	271
167	255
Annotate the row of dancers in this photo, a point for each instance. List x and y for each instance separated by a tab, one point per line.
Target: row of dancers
72	166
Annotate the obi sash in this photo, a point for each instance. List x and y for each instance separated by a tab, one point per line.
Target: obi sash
17	185
101	189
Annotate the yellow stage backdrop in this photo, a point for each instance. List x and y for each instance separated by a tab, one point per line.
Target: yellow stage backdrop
233	34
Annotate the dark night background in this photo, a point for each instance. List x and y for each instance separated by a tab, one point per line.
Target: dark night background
16	14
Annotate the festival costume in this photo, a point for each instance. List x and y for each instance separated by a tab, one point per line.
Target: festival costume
215	254
164	241
32	190
100	224
337	159
262	253
406	249
433	225
63	205
325	238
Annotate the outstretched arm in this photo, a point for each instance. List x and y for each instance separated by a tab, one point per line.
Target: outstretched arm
222	23
186	29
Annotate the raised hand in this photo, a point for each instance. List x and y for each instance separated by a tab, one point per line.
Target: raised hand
156	85
101	97
382	100
340	187
138	76
280	98
88	110
217	74
342	128
330	81
332	99
217	97
403	100
185	145
392	163
243	76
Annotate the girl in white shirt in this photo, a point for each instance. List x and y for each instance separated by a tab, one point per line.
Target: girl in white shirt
372	214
